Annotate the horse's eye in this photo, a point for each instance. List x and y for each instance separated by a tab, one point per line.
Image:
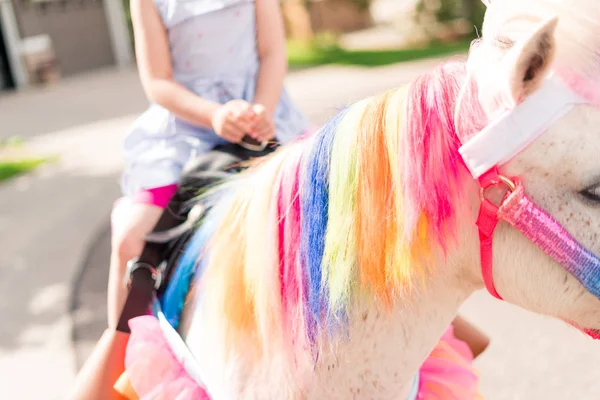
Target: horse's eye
592	193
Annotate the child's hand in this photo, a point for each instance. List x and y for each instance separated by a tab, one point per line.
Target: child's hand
233	120
262	127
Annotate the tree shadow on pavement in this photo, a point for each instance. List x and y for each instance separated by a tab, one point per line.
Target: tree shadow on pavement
88	300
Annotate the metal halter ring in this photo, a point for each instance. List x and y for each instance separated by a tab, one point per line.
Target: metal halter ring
134	264
510	185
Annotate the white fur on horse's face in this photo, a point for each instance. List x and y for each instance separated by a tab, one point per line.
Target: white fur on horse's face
555	168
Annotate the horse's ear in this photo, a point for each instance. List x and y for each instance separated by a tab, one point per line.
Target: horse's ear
532	60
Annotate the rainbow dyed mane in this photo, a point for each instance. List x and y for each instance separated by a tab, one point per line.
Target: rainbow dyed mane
358	209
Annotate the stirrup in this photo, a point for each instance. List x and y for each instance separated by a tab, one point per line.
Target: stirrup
134	264
166	236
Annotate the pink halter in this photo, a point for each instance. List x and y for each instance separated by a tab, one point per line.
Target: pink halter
498	143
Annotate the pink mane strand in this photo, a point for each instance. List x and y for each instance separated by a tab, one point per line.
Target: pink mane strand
586	88
432	164
290	272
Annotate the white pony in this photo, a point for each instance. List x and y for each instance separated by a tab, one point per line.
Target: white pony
332	269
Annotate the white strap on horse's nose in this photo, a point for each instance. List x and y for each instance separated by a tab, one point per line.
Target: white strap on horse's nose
517	128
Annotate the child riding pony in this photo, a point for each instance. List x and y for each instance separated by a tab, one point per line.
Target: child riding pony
333	267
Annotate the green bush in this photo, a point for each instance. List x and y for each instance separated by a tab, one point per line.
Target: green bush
448	10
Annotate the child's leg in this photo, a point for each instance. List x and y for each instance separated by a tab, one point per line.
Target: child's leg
469	334
132	219
130	224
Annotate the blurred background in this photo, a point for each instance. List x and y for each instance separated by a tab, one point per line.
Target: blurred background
69	90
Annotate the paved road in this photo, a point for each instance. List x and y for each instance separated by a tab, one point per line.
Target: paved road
55	243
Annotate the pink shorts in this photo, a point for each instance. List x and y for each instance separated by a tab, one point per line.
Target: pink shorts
159	196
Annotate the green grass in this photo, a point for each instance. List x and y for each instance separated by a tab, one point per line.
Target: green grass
309	55
10	169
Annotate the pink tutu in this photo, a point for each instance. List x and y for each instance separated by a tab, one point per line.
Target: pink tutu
448	374
155	372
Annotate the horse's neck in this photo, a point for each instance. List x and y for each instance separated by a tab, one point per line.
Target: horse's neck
379	358
386	349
